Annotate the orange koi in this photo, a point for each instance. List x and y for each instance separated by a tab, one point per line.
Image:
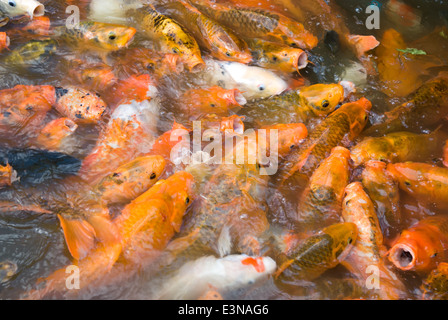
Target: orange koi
53	135
216	100
422	246
79	105
31	104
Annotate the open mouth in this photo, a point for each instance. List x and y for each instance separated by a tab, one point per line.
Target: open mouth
402	256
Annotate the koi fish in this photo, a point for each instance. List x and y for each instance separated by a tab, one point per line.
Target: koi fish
220	41
343	124
320	203
301	105
258	23
80	105
398	147
4	41
224	274
170	35
54	134
369	248
384	193
422	246
316	254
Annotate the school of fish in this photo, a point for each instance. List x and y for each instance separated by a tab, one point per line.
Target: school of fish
212	164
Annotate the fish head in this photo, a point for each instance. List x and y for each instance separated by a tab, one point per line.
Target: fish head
16	8
288	136
322	98
344	236
290	56
243	270
128	175
296	34
372	148
358	113
254	82
112	37
180	189
407	174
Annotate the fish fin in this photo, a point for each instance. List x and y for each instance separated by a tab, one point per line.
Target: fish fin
224	242
362	44
285	263
79	236
105	230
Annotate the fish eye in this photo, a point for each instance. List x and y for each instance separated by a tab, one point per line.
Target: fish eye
175	50
274	58
350	240
112	37
261	87
150	66
115	174
12	3
251	282
325	104
228	54
152	176
212	105
187	201
365	118
407	183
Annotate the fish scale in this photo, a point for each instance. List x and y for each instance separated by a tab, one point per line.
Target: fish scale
328	135
316	254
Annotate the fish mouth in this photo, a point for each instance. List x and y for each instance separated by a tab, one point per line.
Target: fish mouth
38	11
4	21
235	97
70	125
403	256
195	64
7	41
300	59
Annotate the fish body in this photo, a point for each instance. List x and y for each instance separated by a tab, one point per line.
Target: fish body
130	133
302	105
345	123
320	203
258	23
171	36
149	221
230	212
223	274
253	82
369	248
80	105
422	246
27	113
425	182
384	192
276	56
316	254
34	56
220	41
435	286
428	106
398	147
